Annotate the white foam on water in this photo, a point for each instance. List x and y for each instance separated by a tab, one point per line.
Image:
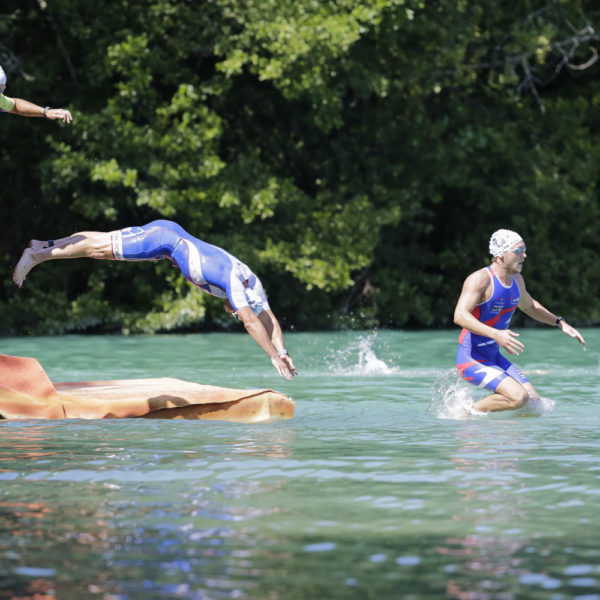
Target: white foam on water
359	358
452	397
535	407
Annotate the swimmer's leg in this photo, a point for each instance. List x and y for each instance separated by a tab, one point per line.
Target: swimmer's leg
509	395
85	244
531	390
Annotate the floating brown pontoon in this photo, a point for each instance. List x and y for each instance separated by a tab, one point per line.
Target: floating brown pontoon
26	392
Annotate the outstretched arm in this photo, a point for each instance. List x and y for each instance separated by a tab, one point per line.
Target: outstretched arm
257	331
28	109
271	324
537	311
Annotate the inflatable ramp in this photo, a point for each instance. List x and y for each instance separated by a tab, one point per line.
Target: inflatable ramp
26	392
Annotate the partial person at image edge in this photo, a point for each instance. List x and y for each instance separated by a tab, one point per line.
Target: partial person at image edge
24	108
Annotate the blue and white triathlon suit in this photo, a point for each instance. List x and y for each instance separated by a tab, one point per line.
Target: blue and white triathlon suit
209	267
478	357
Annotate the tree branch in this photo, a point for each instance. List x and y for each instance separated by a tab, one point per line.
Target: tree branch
59	43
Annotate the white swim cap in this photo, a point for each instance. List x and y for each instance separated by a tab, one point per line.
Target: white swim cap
502	240
2	80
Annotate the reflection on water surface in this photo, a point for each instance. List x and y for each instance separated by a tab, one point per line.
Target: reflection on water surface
363	494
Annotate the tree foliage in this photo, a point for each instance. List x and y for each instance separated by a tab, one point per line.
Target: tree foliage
357	155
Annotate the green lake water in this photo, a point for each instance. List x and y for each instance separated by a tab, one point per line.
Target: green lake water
373	490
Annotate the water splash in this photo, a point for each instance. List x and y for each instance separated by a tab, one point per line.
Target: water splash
452	397
535	407
359	358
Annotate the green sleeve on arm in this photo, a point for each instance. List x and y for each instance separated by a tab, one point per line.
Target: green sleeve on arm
6	103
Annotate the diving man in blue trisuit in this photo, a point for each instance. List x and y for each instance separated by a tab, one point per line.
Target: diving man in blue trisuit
209	267
484	310
18	106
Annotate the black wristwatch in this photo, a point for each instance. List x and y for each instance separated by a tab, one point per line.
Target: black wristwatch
558	320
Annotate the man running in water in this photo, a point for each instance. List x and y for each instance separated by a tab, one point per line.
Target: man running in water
484	310
209	267
18	106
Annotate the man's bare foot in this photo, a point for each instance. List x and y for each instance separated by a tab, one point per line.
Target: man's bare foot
25	264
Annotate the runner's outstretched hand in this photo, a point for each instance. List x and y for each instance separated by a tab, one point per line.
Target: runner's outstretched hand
507	339
571	331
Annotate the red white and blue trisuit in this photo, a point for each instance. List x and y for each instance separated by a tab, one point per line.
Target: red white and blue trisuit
209	267
478	358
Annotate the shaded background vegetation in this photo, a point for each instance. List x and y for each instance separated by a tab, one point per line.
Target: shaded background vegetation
356	154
